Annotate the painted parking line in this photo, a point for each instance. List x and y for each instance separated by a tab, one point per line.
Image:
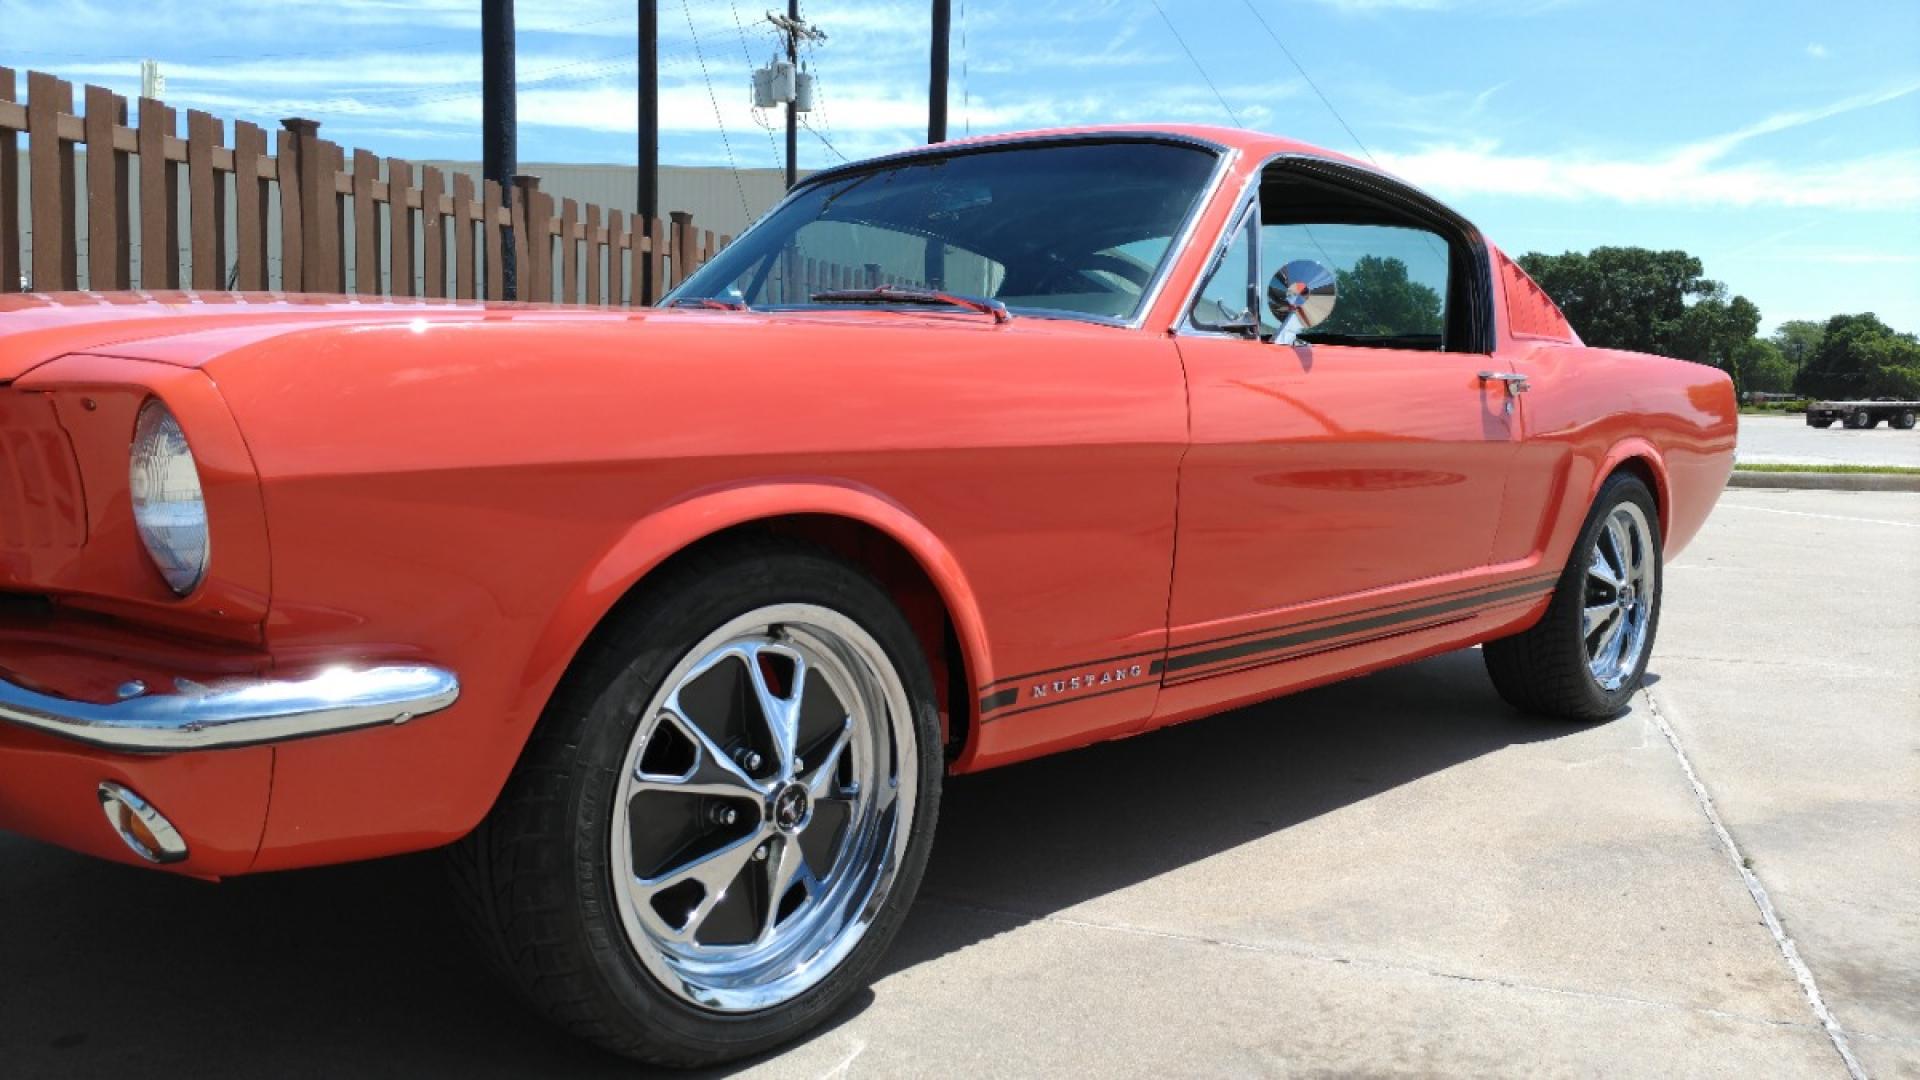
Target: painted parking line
1829	517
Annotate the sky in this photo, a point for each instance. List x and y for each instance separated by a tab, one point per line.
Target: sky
1782	149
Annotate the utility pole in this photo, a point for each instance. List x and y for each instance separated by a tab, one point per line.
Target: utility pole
499	120
934	264
647	194
791	86
937	76
152	83
793	117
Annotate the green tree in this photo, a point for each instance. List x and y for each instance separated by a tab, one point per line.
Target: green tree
1861	357
1378	299
1716	330
1798	339
1623	297
1764	365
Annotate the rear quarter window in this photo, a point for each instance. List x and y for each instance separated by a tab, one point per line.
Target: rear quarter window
1530	311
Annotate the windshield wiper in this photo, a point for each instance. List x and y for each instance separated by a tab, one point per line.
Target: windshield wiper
711	302
903	294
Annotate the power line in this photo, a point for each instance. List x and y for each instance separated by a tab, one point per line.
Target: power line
356	50
1196	64
773	144
1324	100
966	89
823	140
819	92
720	123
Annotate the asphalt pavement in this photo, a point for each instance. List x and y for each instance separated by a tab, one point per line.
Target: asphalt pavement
1787	440
1394	875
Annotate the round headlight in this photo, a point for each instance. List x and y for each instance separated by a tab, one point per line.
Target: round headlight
167	505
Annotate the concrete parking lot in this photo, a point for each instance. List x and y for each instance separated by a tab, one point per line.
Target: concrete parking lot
1787	440
1396	875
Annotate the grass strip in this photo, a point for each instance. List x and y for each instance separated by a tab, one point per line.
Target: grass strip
1770	467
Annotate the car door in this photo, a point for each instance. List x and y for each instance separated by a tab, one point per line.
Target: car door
1358	468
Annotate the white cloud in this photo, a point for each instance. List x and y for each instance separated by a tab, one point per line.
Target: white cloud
1695	174
1816	50
1718	146
1875	182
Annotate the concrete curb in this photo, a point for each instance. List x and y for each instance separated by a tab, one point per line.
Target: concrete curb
1826	481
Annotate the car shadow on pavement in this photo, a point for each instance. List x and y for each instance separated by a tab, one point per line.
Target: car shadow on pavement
364	970
1030	840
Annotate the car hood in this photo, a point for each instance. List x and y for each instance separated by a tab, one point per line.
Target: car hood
192	328
196	329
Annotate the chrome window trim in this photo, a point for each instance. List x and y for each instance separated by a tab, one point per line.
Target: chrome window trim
1476	243
1225	158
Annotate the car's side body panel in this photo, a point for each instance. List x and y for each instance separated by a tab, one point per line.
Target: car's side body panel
477	486
1030	467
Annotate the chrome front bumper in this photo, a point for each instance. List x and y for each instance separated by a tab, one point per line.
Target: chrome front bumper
244	712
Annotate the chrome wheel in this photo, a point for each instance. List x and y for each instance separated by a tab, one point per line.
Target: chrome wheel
1619	596
763	810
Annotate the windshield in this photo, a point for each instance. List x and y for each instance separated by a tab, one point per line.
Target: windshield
1072	229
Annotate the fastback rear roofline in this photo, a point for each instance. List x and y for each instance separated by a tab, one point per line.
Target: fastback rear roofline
990	143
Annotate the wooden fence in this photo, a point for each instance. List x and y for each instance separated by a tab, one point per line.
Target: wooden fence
336	228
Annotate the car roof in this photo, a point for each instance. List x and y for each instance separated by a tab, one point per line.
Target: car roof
1253	144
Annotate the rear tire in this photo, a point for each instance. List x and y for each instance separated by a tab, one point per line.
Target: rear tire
1821	423
1860	421
665	873
1587	655
1904	421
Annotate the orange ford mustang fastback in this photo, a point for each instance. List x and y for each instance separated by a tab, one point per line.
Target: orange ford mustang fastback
670	623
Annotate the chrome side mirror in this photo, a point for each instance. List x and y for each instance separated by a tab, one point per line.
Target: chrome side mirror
1301	296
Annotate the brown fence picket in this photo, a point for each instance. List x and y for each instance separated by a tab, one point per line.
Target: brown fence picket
491	226
569	220
639	260
399	229
292	243
50	164
522	265
366	224
159	199
433	261
657	266
108	248
539	267
462	236
250	205
9	191
206	203
590	276
319	209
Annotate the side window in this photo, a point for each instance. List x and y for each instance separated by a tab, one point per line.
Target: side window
1223	301
1393	280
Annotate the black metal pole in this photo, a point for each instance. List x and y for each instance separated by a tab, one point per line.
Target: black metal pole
793	121
935	261
647	195
937	77
499	119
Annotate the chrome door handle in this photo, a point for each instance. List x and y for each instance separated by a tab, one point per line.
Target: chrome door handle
1516	383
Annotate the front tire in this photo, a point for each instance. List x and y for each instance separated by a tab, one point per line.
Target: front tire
1587	655
1822	423
1860	421
1904	421
722	817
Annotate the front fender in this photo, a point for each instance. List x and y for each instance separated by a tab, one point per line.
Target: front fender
674	528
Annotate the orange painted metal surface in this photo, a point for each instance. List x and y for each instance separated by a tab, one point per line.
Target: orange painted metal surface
1126	527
